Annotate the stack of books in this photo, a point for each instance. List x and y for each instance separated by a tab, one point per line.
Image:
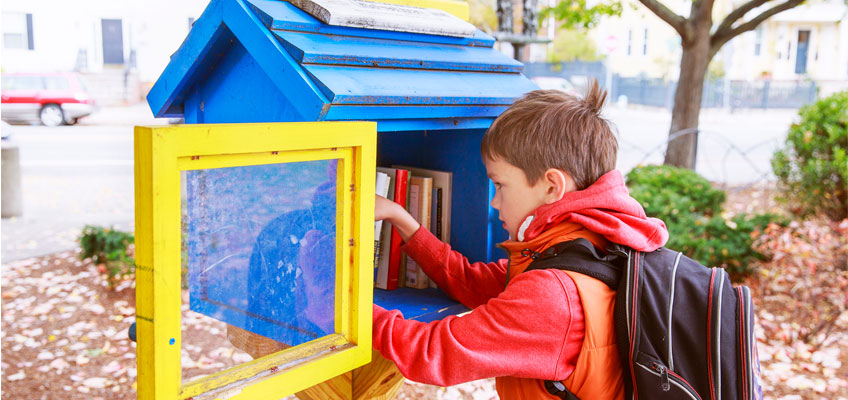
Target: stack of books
425	194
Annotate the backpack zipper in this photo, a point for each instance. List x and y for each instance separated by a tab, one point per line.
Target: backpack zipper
670	310
717	335
666	378
664	384
749	363
710	374
631	313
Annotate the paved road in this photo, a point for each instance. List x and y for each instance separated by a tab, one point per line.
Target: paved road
78	175
72	176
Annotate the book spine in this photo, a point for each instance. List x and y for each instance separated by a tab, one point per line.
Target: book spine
425	198
382	278
382	186
411	275
439	215
395	259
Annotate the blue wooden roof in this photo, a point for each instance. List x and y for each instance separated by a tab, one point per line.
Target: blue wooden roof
328	72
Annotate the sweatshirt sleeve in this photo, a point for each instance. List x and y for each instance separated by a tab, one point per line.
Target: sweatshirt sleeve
472	284
533	329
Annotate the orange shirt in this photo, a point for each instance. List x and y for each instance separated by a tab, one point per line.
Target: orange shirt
597	373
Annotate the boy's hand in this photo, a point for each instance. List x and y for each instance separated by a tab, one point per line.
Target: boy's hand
385	209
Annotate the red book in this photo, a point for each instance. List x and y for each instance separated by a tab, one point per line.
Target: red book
395	255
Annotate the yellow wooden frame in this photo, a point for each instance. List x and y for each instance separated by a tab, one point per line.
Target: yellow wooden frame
161	153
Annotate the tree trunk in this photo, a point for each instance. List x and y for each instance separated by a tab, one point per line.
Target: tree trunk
683	137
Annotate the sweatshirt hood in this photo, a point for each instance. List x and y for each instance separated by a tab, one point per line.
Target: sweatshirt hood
605	208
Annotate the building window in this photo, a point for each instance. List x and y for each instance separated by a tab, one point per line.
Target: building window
17	31
758	40
629	41
645	42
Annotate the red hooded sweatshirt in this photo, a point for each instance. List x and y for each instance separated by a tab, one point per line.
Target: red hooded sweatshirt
530	328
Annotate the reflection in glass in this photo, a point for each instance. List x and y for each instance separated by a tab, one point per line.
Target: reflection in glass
259	248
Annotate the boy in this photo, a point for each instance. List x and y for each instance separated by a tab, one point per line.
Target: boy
551	157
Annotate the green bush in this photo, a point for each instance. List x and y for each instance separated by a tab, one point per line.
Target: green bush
108	249
692	211
812	169
672	192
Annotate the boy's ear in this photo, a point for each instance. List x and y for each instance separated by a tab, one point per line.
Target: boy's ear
557	184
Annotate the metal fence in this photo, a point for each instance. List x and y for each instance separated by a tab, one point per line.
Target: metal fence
721	159
718	93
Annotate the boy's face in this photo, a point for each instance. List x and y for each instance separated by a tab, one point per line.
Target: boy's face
515	198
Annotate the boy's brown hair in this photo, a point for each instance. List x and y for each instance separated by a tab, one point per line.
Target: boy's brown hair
552	129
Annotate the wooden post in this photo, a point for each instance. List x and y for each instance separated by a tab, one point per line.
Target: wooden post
377	380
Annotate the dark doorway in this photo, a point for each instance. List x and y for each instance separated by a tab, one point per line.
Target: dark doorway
801	52
113	41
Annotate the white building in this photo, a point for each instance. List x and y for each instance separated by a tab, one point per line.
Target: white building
105	39
806	42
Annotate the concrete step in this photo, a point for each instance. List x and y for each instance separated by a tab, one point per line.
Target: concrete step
111	87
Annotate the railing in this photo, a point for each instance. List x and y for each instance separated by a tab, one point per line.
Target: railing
762	94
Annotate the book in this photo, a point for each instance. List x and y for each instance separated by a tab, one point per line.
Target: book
382	186
435	211
420	195
381	277
441	180
410	273
435	221
396	259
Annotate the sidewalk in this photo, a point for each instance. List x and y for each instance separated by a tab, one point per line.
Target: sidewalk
73	176
130	115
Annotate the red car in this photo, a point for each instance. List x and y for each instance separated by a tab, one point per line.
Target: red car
50	98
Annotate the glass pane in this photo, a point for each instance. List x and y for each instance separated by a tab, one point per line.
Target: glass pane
56	83
14	41
259	252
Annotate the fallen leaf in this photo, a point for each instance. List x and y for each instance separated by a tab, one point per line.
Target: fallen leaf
16	377
95	383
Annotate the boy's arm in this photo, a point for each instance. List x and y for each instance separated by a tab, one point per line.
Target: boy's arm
534	329
470	284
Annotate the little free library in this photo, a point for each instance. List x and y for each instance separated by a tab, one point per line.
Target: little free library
258	211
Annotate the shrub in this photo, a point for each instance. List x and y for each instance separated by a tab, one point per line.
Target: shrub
691	209
812	169
670	191
108	249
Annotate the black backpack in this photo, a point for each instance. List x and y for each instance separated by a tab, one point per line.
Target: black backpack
683	330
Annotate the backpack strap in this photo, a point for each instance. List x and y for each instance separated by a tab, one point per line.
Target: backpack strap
557	389
580	255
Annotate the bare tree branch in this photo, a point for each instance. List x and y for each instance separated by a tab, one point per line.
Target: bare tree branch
734	15
716	41
670	17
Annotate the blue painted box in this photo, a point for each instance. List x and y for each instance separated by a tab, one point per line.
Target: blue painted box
432	96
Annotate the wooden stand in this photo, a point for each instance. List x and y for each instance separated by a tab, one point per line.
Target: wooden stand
377	380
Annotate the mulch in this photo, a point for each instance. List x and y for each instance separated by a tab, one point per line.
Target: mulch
64	332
